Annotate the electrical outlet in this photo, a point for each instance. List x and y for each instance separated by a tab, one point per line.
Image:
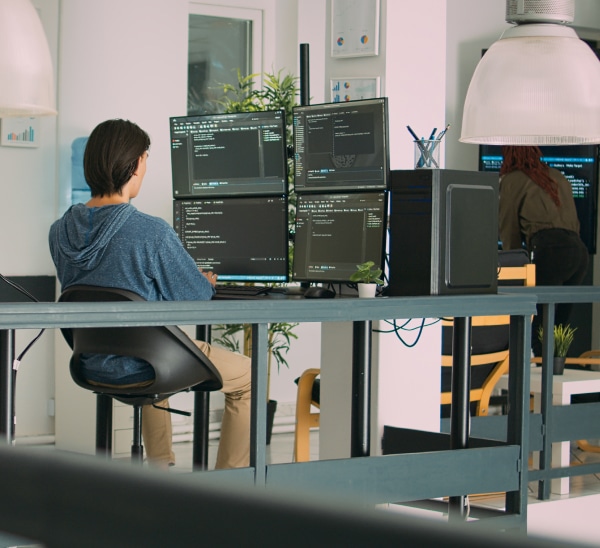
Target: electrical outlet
51	407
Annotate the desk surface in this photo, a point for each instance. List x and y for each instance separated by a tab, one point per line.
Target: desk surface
573	381
38	315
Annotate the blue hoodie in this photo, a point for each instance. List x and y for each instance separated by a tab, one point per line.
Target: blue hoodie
118	246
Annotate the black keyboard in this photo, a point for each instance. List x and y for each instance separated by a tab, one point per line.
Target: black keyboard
245	291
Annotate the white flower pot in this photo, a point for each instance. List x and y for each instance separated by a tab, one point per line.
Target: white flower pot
366	291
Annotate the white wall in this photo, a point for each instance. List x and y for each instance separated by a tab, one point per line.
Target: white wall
472	26
127	58
26	212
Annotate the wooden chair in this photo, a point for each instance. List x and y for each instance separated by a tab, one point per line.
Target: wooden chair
489	341
306	419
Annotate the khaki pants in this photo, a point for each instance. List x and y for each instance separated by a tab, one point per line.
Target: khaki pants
234	447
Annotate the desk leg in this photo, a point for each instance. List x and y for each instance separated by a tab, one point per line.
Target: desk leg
201	415
7	386
545	456
258	425
361	389
460	409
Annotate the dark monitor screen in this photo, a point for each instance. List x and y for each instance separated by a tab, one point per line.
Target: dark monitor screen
337	232
341	146
242	239
241	153
579	164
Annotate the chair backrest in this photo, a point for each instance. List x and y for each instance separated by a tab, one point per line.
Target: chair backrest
489	339
177	362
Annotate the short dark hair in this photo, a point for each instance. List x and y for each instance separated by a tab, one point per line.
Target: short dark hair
111	155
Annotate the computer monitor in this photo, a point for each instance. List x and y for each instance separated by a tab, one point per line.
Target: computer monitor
242	239
335	232
579	164
235	154
341	147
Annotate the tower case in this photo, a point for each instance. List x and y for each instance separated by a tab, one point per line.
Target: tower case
443	232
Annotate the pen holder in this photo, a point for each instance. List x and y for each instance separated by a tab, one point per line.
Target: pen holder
427	154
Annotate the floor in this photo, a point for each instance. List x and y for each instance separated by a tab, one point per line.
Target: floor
570	517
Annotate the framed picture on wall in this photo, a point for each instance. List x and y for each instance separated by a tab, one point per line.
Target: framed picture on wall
354	28
19	132
351	89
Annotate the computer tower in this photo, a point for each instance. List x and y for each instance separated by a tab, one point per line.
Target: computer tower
443	232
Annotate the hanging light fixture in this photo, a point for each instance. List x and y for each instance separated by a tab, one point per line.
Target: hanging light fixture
539	84
26	75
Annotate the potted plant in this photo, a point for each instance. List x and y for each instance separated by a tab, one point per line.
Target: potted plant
279	91
563	338
368	277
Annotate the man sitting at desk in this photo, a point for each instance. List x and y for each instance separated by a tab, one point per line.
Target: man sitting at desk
107	242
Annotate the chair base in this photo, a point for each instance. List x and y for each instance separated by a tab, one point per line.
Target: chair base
104	415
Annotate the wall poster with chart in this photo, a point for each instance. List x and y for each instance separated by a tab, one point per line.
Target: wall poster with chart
352	89
20	132
354	28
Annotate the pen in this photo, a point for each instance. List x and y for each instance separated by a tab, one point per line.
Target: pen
412	133
442	133
439	138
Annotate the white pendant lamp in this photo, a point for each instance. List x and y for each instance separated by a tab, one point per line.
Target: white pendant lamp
539	84
26	75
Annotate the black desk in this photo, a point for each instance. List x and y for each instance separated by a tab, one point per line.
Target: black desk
373	479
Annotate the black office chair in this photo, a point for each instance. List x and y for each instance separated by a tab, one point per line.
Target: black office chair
178	363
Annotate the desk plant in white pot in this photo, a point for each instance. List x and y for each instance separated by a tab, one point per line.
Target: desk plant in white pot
563	338
367	277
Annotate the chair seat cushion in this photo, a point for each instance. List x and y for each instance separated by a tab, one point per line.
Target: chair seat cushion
115	370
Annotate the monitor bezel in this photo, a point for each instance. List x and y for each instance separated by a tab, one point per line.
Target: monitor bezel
225	277
382	253
275	115
335	106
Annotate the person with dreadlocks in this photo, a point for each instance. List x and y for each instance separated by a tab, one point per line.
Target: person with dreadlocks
537	212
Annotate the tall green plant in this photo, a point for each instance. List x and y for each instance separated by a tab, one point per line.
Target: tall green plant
279	91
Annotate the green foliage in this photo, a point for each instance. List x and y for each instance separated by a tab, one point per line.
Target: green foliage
563	338
279	91
366	273
280	336
227	338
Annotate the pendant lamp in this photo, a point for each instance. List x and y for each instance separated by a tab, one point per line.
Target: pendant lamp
539	84
26	75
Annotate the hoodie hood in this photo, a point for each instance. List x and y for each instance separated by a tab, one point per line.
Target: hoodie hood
82	234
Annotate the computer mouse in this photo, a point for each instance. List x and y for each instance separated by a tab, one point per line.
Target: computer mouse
319	292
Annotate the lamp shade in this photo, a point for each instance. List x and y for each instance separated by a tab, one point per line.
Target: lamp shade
26	75
538	85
